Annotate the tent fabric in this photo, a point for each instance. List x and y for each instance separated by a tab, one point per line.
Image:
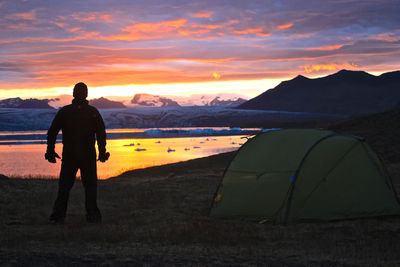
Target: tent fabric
304	174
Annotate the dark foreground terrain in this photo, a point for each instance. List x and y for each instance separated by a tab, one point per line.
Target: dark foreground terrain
158	216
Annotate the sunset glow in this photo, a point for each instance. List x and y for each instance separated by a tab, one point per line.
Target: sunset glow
167	47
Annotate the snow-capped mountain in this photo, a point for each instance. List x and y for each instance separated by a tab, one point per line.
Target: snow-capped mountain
217	101
221	99
148	100
24	103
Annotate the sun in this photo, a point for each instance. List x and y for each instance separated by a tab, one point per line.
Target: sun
216	75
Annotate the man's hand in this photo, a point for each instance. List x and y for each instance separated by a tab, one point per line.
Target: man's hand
51	156
103	157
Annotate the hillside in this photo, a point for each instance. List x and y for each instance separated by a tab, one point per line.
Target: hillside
381	130
345	92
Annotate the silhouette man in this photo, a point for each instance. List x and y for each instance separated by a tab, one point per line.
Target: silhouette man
81	125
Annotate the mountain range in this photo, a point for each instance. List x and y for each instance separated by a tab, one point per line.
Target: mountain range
193	100
138	100
25	103
148	100
345	92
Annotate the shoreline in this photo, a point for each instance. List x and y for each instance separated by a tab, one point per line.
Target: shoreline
176	167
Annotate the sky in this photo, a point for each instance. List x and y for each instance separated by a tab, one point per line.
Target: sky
177	47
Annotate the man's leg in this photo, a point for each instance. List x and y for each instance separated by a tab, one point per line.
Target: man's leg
65	183
89	181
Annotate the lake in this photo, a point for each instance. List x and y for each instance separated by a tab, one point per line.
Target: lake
22	153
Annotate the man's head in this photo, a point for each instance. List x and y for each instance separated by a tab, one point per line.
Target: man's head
80	91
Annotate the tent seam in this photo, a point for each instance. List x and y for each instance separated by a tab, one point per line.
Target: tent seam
327	174
293	184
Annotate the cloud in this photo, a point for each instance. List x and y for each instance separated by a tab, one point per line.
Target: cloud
23	16
330	67
326	48
74	29
204	14
125	42
22	27
106	18
140	31
387	36
256	31
285	26
92	17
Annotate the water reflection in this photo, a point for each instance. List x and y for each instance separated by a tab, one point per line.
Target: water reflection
126	154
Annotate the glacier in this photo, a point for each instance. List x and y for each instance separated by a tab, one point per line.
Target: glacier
14	119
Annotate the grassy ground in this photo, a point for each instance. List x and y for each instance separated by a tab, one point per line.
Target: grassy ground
158	216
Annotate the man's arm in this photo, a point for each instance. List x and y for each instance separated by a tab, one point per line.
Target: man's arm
100	134
53	131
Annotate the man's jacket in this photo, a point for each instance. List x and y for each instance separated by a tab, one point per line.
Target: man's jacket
81	124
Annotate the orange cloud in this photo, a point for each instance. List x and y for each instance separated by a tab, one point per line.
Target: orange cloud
321	67
212	26
148	30
84	36
110	77
104	77
205	14
189	32
388	37
106	18
285	26
60	24
326	48
74	29
26	16
22	27
84	18
257	31
304	35
164	26
193	29
91	16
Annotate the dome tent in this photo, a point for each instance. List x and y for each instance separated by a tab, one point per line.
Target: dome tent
304	174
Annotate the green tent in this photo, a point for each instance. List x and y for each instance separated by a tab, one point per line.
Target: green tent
304	175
